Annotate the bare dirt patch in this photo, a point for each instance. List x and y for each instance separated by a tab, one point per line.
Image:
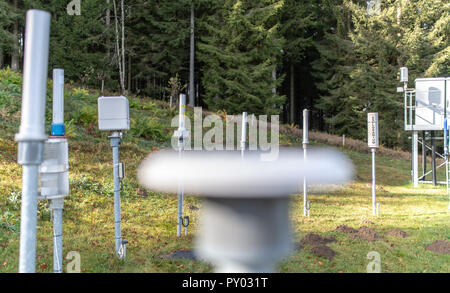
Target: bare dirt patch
298	246
177	254
192	207
397	233
366	222
315	239
367	234
323	251
345	229
439	246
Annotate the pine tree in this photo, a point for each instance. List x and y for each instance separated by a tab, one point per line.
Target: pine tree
238	51
7	16
298	24
159	41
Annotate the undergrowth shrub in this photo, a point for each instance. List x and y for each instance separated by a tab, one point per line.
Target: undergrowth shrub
143	127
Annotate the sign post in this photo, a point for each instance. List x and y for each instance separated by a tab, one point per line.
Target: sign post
373	143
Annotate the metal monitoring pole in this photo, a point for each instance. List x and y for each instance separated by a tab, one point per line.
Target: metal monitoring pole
446	145
181	133
415	158
373	143
115	143
54	169
113	115
57	205
306	204
446	152
424	156
31	134
433	158
409	125
243	133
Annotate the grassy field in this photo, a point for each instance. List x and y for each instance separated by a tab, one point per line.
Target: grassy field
149	219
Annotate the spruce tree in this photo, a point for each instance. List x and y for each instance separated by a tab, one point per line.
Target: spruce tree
239	51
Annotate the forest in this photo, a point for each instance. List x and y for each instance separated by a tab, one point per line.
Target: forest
338	58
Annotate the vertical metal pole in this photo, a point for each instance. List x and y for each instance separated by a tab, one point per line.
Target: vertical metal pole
28	214
305	147
411	110
57	129
115	142
424	155
374	200
243	133
405	102
31	134
415	157
181	129
180	198
57	209
433	158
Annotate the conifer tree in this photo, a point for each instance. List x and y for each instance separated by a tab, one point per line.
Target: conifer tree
239	52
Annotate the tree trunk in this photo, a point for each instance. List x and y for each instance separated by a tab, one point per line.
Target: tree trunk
191	60
123	44
108	22
108	51
291	116
119	50
1	58
15	50
274	77
129	73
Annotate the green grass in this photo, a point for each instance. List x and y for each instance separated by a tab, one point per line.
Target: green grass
149	218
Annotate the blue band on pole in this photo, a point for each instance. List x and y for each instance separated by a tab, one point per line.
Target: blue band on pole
58	129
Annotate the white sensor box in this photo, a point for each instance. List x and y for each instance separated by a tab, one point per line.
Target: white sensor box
113	113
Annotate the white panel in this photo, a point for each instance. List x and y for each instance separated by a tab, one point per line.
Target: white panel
372	130
430	103
113	113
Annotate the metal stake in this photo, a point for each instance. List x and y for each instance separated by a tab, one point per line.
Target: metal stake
180	192
433	158
57	205
115	143
424	156
243	133
374	208
181	133
305	147
27	254
415	158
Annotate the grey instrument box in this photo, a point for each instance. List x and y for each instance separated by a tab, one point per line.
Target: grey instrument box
113	113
